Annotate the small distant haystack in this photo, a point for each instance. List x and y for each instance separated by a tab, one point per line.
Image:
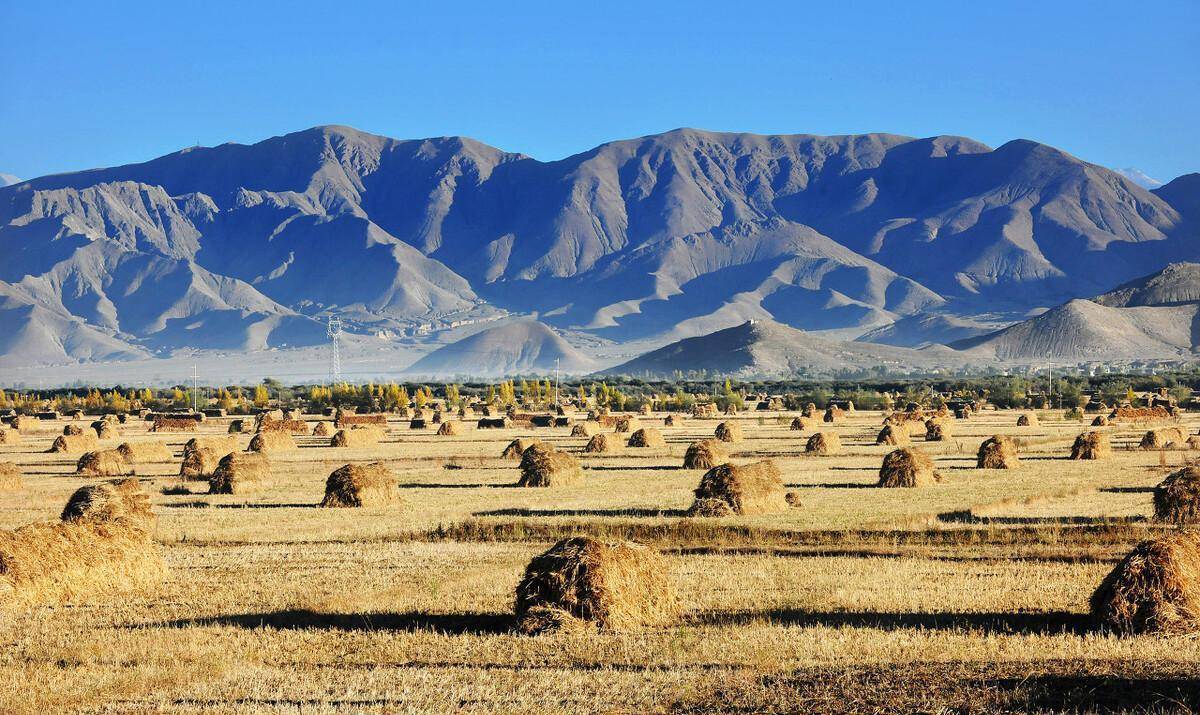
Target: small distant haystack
728	431
748	489
1091	445
834	414
10	477
627	423
644	409
322	429
173	424
9	436
937	431
673	421
583	582
357	438
1100	421
704	454
295	427
118	500
997	452
449	428
584	429
1027	419
199	463
106	430
220	445
1160	438
74	443
1193	442
516	448
240	427
1154	590
72	430
240	473
647	437
417	423
542	466
1177	498
602	442
143	452
793	500
892	435
823	443
272	442
24	422
358	485
907	467
803	424
810	410
103	463
493	423
437	417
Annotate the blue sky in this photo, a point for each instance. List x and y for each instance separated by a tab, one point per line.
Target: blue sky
88	84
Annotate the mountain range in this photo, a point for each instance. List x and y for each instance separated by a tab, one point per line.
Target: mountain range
875	237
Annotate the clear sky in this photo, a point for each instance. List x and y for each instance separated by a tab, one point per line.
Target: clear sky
87	84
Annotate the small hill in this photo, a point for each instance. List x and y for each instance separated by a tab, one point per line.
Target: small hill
918	331
519	347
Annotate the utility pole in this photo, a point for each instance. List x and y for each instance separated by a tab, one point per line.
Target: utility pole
1050	378
556	382
195	389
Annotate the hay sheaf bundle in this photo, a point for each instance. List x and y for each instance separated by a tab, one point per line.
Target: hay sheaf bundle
803	424
299	427
10	477
823	443
1193	442
937	431
1027	419
240	427
1154	590
104	463
136	452
542	466
1159	438
583	429
997	452
585	582
755	488
355	438
907	467
110	502
173	424
106	430
810	410
833	414
644	409
199	463
322	429
358	485
603	442
449	428
1139	414
1091	445
1100	421
74	443
272	442
220	445
70	430
672	421
704	454
493	423
516	448
893	435
240	473
627	423
647	437
1177	498
9	436
343	420
728	432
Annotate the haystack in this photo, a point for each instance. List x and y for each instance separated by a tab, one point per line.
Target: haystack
1177	498
355	438
937	431
143	452
1091	445
728	432
1100	421
220	445
295	427
322	429
1154	590
10	477
810	410
173	424
516	448
833	414
603	442
1193	442
823	443
997	452
272	442
104	463
356	485
704	454
240	427
627	423
615	585
9	436
1159	438
493	423
647	437
644	409
417	423
74	443
118	500
199	463
1027	419
72	430
892	435
907	467
755	488
672	421
584	429
803	424
240	473
106	430
541	466
449	428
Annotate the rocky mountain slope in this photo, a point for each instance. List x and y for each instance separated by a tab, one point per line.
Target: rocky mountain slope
512	348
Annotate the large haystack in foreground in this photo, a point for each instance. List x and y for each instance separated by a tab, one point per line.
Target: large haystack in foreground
272	442
823	443
1155	589
893	435
704	454
997	452
755	488
104	463
240	473
602	443
109	502
1091	445
10	477
358	485
907	467
1177	498
542	466
647	437
613	585
728	431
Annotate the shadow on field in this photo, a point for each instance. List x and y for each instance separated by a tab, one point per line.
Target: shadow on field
1027	623
964	516
451	623
632	468
478	485
633	511
1127	490
834	485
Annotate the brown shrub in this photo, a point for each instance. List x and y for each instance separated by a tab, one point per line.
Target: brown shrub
366	437
755	488
1177	498
357	485
907	467
142	452
1091	445
74	443
647	437
937	431
541	466
1159	438
823	443
272	442
240	473
997	452
449	428
704	454
10	477
1155	588
199	463
603	442
626	423
104	463
1027	419
614	585
728	432
892	435
516	448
